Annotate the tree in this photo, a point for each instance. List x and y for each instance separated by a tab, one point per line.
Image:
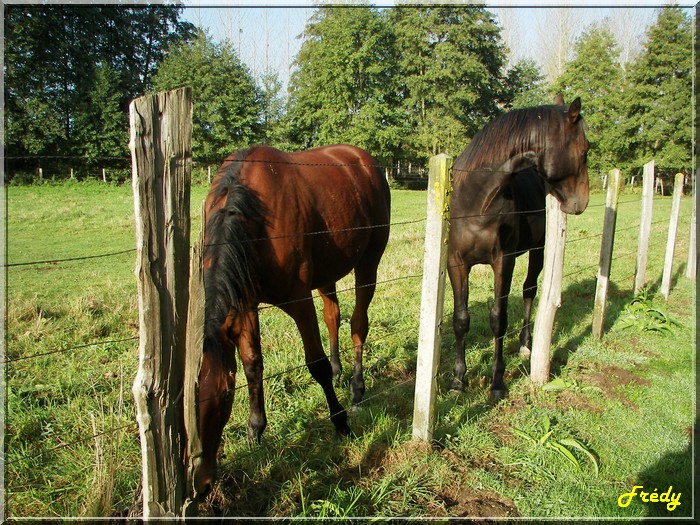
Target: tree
657	99
526	85
102	127
556	35
342	89
595	75
450	75
227	105
54	56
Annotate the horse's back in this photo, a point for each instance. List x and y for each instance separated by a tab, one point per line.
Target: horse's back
327	210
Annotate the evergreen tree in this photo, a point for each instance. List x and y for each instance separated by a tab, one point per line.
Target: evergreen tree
657	99
227	106
595	75
451	72
56	56
526	85
342	89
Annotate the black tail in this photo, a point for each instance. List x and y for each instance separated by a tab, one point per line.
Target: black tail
232	234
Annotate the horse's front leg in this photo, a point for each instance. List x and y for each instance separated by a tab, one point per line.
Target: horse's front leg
534	268
251	358
459	279
503	274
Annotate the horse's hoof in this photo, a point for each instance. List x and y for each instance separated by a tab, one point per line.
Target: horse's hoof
345	432
457	386
525	352
496	396
354	409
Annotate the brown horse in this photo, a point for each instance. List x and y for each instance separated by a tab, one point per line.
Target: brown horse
497	212
278	226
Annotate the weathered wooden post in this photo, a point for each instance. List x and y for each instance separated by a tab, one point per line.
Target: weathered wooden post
161	154
672	231
606	249
193	364
644	226
550	297
432	296
692	249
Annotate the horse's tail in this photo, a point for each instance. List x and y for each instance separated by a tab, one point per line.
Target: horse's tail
230	251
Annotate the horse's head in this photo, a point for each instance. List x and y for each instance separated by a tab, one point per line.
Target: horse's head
217	381
563	162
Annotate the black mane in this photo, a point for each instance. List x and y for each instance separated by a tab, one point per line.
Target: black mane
231	232
510	134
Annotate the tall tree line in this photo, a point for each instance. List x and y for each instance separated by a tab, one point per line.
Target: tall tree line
70	72
403	83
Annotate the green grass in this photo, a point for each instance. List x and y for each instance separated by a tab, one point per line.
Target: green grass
631	402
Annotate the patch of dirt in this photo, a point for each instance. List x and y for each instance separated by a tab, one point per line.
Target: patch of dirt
611	378
461	502
575	401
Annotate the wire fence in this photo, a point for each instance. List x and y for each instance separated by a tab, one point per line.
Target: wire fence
585	269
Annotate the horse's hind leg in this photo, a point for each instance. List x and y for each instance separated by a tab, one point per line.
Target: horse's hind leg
534	268
331	315
304	315
459	278
365	284
503	274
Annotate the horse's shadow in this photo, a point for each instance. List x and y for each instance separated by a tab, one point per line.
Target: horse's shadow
674	472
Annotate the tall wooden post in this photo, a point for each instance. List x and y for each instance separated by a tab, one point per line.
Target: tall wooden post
644	226
606	250
692	248
432	296
550	297
672	231
161	154
193	365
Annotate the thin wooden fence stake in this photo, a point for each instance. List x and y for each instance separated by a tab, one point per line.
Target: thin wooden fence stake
161	153
193	365
672	231
606	250
550	298
432	296
691	266
644	226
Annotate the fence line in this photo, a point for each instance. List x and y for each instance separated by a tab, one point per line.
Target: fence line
338	292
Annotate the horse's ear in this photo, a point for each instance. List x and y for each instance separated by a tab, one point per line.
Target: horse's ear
574	110
559	100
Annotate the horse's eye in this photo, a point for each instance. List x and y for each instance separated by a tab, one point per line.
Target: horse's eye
227	395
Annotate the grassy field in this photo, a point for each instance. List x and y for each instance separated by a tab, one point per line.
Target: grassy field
72	444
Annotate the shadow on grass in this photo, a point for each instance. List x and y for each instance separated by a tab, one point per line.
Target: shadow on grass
674	472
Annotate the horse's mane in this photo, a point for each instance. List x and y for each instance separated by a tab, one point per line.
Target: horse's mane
230	280
508	135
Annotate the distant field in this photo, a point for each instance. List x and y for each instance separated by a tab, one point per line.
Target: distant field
629	400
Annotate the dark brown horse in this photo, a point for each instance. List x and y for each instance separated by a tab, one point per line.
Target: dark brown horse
278	226
497	212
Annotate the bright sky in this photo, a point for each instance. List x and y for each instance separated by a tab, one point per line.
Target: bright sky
267	38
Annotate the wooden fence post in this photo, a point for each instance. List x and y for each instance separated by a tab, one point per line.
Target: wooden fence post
550	297
606	249
672	231
193	364
691	266
432	295
161	154
644	226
